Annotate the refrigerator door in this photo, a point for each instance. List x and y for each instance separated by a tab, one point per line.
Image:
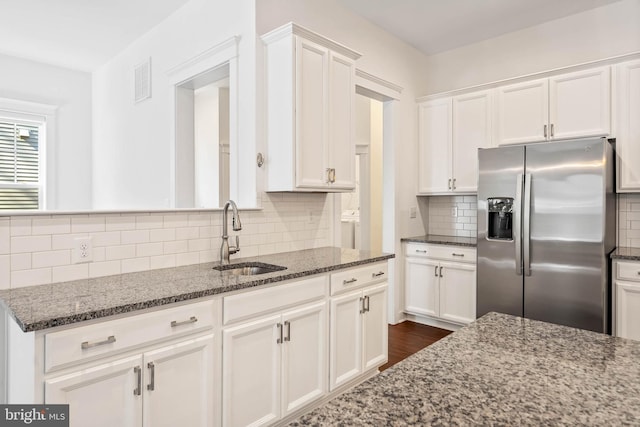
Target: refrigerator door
500	279
567	262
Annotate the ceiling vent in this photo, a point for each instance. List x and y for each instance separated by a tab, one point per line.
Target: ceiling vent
143	81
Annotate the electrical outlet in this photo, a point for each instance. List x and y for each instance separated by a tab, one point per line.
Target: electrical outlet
413	212
454	212
82	250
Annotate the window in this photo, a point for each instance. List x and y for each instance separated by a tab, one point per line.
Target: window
21	140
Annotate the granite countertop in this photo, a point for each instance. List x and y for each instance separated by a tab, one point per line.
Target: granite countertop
442	240
41	307
500	370
625	253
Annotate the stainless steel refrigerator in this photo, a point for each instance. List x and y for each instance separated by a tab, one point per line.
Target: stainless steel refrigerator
546	226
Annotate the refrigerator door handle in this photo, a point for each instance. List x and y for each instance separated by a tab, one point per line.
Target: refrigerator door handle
517	235
526	210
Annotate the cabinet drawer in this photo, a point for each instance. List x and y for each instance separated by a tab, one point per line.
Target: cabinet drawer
100	339
358	277
444	252
628	270
263	301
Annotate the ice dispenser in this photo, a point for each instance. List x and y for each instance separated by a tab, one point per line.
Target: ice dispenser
500	225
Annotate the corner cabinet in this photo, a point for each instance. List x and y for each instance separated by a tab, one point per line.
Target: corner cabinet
310	112
451	131
627	132
440	284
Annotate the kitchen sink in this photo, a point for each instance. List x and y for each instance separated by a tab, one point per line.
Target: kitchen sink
248	268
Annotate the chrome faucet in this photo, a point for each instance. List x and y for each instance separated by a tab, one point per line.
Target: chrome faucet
225	249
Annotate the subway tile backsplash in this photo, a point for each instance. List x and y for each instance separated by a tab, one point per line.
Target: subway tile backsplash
37	250
442	221
629	220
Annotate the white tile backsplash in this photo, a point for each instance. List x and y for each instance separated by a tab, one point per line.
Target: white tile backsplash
37	250
629	220
442	222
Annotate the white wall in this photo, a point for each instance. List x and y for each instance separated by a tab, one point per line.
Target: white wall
70	90
131	142
594	34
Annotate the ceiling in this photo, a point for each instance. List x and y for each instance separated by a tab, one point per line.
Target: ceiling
84	34
434	26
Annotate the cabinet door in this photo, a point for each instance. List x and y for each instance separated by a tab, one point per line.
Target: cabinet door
471	130
342	145
304	356
101	396
346	338
628	125
251	373
179	384
458	292
375	327
522	112
434	146
421	286
311	112
628	310
580	104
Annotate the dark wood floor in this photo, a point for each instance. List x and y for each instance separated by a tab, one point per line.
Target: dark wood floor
407	338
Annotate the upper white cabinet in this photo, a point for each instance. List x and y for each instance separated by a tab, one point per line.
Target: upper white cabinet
565	106
310	112
451	131
627	132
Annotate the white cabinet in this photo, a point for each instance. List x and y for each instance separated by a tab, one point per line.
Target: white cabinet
627	299
150	385
451	131
274	363
440	282
358	336
566	106
310	112
627	132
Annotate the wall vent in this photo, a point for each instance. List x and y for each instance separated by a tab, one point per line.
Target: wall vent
142	81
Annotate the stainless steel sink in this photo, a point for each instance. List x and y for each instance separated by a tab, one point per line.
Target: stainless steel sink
248	268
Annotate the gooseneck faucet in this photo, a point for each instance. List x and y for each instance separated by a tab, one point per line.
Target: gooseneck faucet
225	249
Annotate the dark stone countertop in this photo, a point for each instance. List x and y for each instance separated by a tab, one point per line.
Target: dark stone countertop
625	253
442	240
504	371
45	306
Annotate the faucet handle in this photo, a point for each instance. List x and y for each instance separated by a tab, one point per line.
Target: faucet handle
236	248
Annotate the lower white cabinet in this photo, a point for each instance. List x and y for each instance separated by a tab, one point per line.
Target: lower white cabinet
438	287
358	333
274	365
167	386
627	299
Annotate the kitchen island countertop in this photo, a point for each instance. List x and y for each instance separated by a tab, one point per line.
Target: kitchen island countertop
500	370
46	306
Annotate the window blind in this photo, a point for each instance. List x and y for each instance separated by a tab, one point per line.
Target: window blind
19	165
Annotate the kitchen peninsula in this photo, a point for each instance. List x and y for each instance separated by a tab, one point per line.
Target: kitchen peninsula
500	370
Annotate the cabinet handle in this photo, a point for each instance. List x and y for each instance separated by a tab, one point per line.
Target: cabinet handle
545	131
328	175
288	325
455	254
110	339
192	319
152	381
440	271
449	184
362	305
421	251
378	274
551	130
366	300
137	371
454	184
333	175
279	340
435	271
352	280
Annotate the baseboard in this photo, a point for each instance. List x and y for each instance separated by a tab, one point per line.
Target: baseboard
430	321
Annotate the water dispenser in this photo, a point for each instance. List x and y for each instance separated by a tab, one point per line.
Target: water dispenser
500	210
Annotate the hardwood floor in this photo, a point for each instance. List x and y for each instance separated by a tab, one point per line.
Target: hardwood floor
407	338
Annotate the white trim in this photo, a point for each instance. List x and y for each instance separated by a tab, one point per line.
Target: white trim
542	74
371	86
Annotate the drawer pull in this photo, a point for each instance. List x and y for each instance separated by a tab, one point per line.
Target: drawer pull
381	273
152	382
138	372
110	339
352	280
455	254
421	251
192	319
